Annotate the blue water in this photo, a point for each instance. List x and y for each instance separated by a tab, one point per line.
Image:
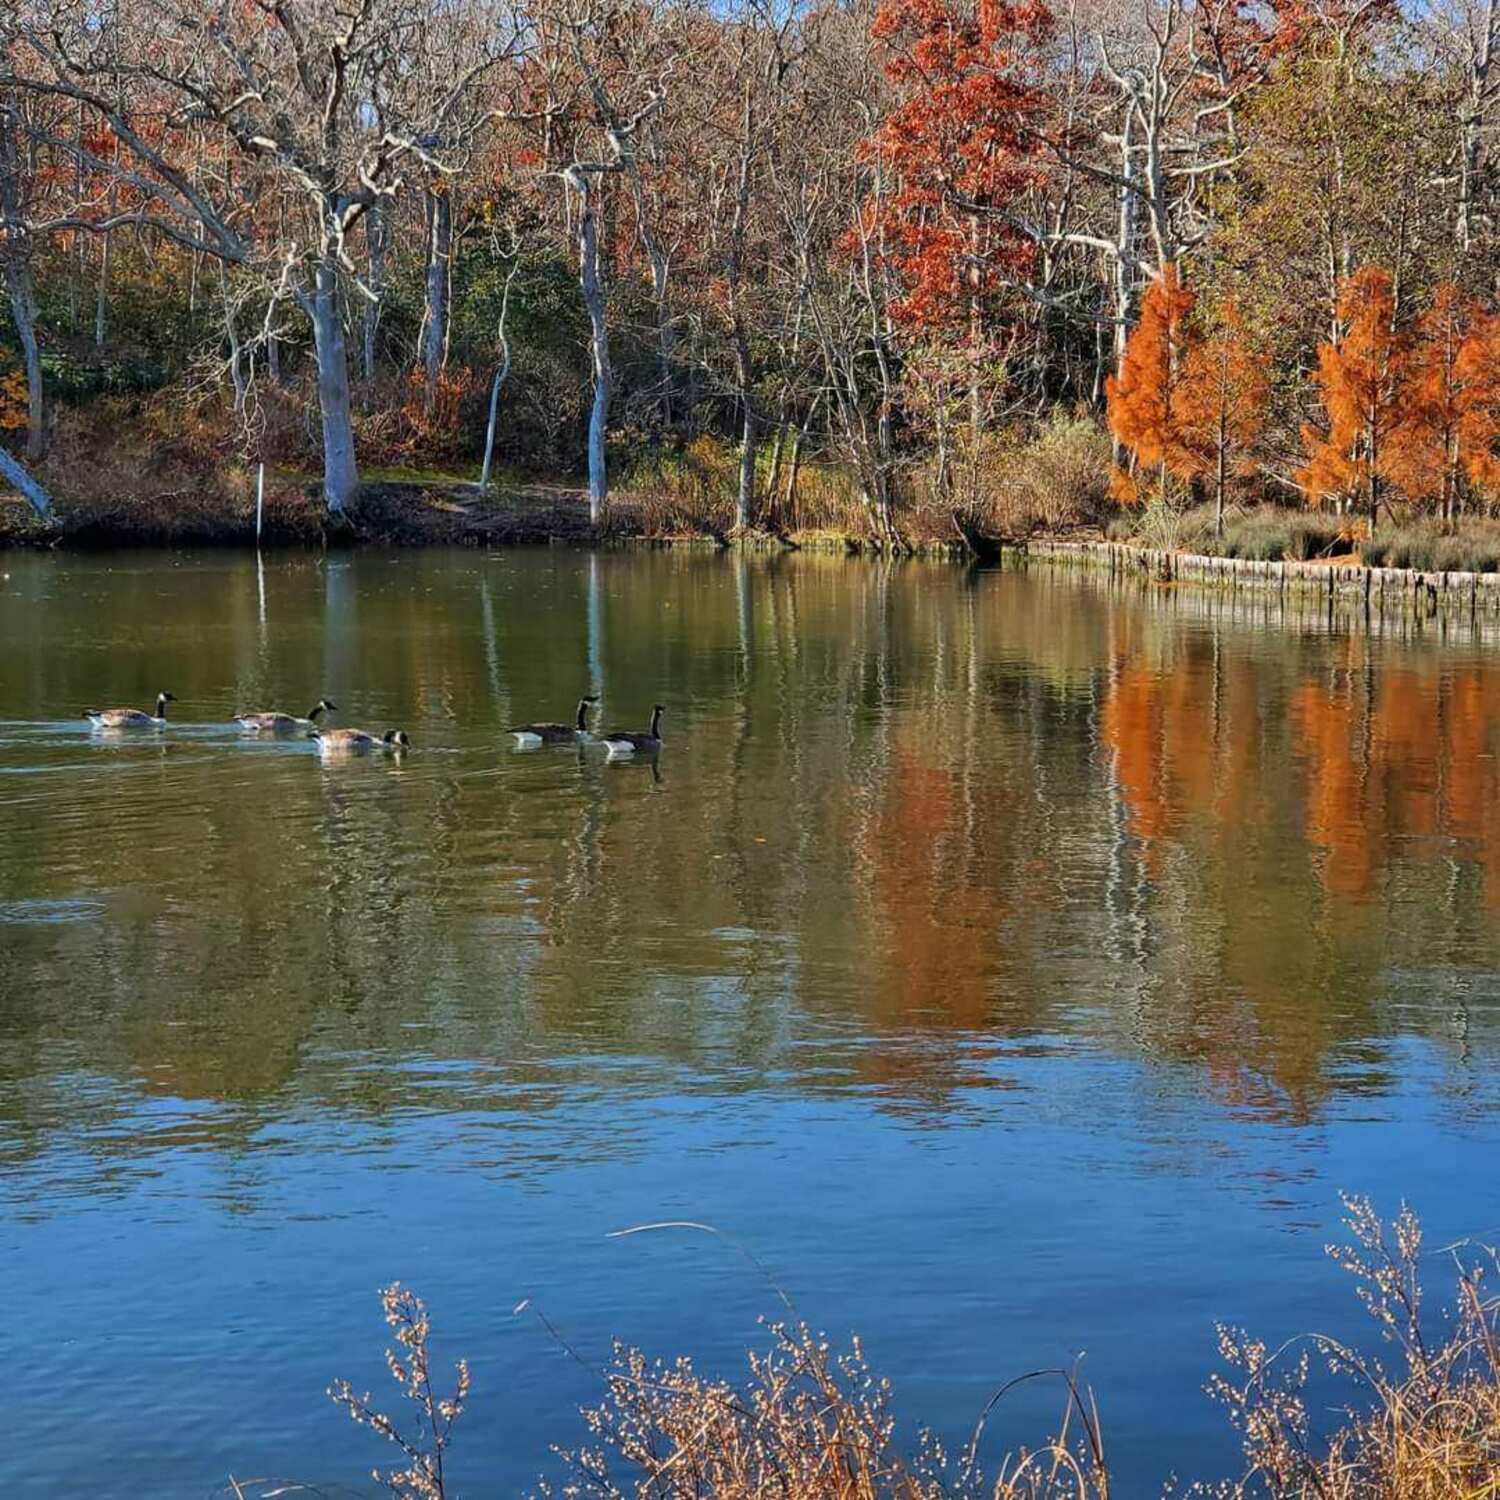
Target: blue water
1008	969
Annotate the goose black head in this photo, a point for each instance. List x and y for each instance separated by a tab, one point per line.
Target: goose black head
397	739
327	705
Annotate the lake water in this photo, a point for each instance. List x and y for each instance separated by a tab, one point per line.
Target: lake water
1013	967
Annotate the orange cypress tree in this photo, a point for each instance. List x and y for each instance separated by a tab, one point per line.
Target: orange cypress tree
1142	408
1477	369
1362	381
1441	389
1219	402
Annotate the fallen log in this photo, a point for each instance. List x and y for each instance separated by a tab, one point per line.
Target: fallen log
15	474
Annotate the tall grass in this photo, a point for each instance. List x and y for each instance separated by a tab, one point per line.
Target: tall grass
1264	533
1472	547
807	1423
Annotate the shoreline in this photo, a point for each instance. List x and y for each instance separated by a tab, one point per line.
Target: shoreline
412	515
1341	583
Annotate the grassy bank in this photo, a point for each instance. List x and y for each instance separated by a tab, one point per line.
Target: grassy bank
117	484
1421	1418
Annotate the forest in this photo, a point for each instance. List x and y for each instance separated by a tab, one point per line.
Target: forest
1188	269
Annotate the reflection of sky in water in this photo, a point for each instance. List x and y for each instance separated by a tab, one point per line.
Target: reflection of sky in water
1014	970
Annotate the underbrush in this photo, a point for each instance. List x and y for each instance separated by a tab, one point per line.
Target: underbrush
690	490
1472	547
1422	1423
1053	479
1265	533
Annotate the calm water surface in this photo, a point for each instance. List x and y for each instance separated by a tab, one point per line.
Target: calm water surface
1015	968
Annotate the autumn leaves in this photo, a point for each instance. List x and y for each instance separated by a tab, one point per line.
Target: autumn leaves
1407	408
1188	396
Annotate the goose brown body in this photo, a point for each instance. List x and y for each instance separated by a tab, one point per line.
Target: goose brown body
130	718
275	722
358	741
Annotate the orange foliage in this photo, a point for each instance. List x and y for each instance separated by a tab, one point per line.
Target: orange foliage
1142	405
1442	389
1362	382
1477	370
13	398
1220	404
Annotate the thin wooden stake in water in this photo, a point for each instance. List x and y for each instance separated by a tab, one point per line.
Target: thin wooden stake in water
260	502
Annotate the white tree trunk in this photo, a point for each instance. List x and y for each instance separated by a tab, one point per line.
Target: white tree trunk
502	371
593	300
440	248
11	470
23	313
340	471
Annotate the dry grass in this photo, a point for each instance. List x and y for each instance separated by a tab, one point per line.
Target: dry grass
1426	1426
810	1424
1055	480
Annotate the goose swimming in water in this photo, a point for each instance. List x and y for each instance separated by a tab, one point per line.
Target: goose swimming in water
130	718
358	741
529	736
279	723
636	741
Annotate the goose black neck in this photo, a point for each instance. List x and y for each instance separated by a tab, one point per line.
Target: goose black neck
161	706
313	712
583	708
656	722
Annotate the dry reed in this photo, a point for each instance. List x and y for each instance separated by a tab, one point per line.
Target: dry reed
812	1424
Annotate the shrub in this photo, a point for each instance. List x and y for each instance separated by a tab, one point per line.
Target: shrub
812	1425
1316	536
1258	541
1065	472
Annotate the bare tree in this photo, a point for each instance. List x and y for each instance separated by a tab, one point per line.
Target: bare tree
289	86
592	42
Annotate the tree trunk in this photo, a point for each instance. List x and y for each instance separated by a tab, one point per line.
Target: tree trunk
340	471
10	469
101	294
1472	122
375	245
15	252
489	431
439	252
1220	476
744	506
23	312
593	300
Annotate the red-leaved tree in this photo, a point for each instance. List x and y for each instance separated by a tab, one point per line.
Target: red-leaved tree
957	151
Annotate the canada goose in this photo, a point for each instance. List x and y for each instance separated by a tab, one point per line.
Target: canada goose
279	723
130	718
633	741
529	736
358	741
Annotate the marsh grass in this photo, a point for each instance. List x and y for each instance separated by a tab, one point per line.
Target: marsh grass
1265	533
811	1423
1473	546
